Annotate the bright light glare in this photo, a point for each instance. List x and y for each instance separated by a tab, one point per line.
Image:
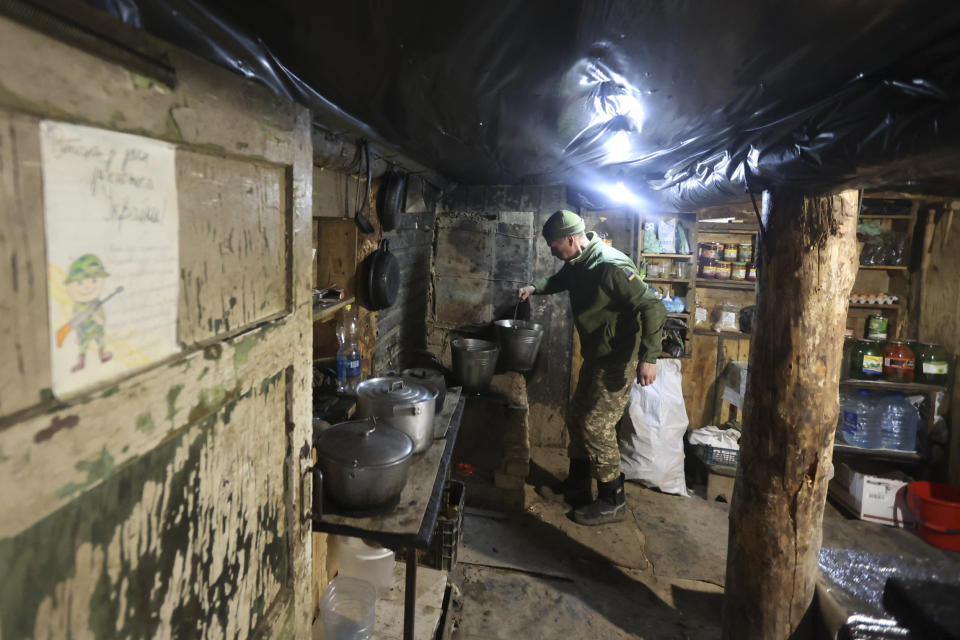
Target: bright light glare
618	147
620	193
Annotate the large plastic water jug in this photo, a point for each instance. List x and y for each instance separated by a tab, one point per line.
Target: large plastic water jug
357	558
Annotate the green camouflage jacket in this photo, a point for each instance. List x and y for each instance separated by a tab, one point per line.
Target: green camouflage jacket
614	311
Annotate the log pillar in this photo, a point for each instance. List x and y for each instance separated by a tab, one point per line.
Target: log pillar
790	414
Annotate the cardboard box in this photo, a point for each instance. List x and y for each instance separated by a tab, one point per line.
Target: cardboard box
869	497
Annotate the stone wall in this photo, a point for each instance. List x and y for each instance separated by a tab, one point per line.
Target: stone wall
487	245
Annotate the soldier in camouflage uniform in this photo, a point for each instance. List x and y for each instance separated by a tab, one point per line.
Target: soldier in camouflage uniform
620	323
84	285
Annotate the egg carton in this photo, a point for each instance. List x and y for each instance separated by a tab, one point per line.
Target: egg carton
863	297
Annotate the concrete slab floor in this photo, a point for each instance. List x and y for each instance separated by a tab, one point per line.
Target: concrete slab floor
659	575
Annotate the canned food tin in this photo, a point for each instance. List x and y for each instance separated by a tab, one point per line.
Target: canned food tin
722	271
738	271
746	252
730	252
876	327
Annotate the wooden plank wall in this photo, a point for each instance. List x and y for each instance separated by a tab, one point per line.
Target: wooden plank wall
165	504
940	313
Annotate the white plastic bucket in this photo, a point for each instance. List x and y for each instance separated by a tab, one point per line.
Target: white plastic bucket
357	558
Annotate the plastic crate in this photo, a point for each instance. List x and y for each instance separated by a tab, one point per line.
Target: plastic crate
442	552
719	455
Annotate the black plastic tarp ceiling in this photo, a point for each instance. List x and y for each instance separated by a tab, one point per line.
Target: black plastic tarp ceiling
664	103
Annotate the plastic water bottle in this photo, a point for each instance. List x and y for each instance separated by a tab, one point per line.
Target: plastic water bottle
898	423
860	426
349	362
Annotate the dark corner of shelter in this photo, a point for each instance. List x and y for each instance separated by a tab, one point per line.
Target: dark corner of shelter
462	321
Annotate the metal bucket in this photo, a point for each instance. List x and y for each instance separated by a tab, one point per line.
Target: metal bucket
473	362
520	342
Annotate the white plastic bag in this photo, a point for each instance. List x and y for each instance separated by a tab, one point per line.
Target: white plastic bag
651	440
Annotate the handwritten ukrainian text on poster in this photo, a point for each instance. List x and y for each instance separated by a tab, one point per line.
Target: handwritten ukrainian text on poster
110	215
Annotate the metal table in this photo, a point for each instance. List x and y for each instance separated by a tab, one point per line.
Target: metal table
410	525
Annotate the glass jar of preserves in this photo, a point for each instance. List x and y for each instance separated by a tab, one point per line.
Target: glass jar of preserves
730	252
849	342
746	252
738	271
932	363
898	362
866	360
876	327
722	270
752	273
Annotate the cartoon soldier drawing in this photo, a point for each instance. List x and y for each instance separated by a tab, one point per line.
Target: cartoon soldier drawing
84	285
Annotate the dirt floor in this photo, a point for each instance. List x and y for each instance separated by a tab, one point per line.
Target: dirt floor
658	575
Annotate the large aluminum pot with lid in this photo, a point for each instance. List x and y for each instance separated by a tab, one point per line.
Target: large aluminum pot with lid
403	404
431	378
365	463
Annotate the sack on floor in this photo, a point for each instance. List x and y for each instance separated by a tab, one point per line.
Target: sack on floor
651	434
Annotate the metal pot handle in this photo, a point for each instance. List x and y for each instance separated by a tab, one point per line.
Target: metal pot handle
396	385
414	409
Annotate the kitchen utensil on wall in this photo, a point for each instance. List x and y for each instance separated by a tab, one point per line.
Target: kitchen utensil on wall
365	463
382	277
403	404
519	343
474	362
392	195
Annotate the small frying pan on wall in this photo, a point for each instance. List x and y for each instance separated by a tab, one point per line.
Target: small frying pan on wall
382	277
392	196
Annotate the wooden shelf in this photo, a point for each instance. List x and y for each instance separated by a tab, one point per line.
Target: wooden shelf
880	216
727	228
892	386
890	267
669	256
880	454
863	305
328	313
726	284
685	314
666	280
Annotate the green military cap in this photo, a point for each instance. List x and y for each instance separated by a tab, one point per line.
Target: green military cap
86	266
561	224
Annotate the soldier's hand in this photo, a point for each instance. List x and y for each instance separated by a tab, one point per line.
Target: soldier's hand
646	373
525	292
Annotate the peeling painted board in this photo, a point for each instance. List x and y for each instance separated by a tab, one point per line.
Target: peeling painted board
233	244
70	84
24	349
188	541
61	455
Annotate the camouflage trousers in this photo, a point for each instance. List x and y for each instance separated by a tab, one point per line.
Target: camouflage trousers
603	391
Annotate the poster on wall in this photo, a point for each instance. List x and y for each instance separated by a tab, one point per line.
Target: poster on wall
111	223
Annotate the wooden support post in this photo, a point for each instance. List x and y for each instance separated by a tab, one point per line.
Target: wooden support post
790	413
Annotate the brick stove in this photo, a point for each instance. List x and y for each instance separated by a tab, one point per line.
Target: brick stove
492	454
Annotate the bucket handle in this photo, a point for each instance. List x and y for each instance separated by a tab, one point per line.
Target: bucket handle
916	518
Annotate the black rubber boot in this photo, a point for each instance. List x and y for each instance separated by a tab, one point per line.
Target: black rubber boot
610	505
576	490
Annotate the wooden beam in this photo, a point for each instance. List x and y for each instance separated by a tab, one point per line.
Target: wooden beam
790	413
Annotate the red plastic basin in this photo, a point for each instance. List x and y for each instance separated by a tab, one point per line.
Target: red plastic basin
937	510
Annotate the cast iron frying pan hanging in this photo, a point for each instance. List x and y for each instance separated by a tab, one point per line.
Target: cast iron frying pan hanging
383	277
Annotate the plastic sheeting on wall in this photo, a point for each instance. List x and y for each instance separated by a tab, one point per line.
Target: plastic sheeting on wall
653	104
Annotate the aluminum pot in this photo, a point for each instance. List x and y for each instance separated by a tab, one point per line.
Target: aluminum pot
430	378
474	362
365	464
402	404
519	343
